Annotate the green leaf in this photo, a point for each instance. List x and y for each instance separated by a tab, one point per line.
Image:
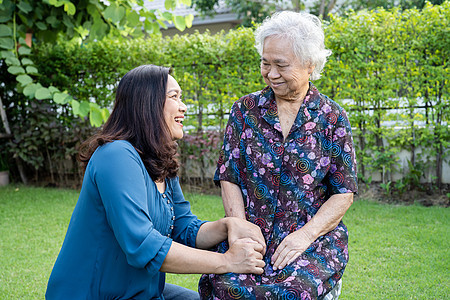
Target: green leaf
5	15
61	98
24	50
95	115
12	61
6	43
70	8
24	6
27	61
24	79
155	27
167	15
43	93
114	13
179	23
162	24
32	70
98	29
5	30
41	25
30	90
53	89
170	4
52	20
84	108
75	107
56	3
133	19
188	19
105	114
8	54
186	2
16	70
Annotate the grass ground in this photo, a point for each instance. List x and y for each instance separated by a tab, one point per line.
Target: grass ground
396	252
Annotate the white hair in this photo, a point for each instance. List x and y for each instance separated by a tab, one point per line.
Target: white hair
304	31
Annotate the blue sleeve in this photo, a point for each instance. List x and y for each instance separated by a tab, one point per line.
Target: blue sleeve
186	224
119	175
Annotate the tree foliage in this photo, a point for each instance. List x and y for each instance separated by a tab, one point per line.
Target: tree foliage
389	69
24	21
255	11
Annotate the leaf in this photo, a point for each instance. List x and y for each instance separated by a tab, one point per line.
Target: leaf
24	6
186	2
52	20
27	61
16	70
24	50
179	23
75	107
7	54
5	30
84	108
115	13
53	89
170	4
70	8
61	98
133	19
105	114
167	15
24	79
32	70
30	90
188	19
95	115
6	43
43	93
162	24
41	26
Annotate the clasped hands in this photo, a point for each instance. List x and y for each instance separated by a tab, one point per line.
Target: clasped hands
247	244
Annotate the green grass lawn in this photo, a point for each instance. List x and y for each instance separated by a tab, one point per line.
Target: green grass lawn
396	252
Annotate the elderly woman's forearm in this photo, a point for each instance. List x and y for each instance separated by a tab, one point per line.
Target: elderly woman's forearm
233	202
329	215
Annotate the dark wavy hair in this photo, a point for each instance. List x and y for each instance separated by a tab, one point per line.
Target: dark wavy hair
138	117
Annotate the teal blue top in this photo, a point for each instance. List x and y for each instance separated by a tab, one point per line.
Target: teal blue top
120	231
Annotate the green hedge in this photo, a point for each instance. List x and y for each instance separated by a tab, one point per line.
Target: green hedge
382	60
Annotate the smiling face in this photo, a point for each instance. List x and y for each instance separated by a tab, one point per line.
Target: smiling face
174	109
282	71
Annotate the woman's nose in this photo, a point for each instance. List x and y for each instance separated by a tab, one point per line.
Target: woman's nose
273	73
182	107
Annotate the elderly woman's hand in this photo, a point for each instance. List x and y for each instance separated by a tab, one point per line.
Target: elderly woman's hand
290	248
238	228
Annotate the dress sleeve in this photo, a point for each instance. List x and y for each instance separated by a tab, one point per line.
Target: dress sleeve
119	175
186	224
342	178
229	162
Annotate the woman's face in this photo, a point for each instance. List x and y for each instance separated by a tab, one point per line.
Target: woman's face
282	71
174	109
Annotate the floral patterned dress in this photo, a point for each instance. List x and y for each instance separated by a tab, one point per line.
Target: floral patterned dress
284	183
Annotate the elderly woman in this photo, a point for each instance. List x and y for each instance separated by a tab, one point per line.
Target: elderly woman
288	165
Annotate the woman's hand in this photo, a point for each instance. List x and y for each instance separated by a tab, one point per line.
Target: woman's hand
238	228
244	256
290	248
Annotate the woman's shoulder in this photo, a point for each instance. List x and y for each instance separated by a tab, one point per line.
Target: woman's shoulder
254	100
326	102
117	148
